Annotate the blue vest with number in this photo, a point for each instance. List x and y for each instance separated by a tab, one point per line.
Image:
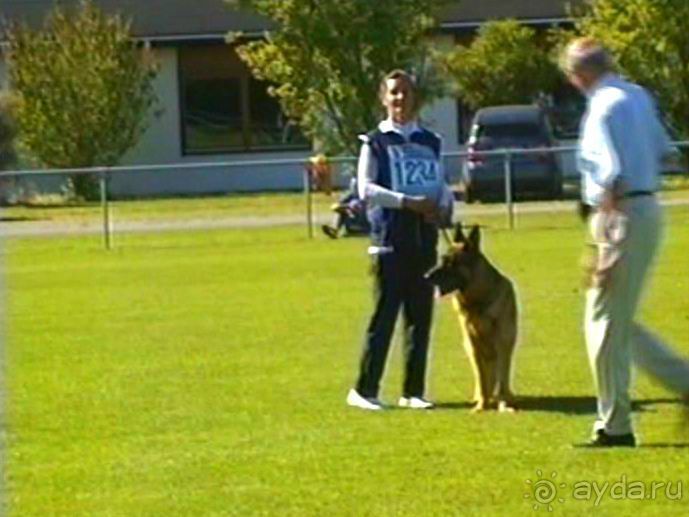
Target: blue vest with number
410	166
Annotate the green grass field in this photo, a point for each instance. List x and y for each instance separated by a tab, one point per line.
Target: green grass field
205	374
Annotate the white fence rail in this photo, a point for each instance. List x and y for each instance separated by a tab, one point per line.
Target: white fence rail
105	174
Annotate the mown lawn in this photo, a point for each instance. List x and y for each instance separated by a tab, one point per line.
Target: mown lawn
205	374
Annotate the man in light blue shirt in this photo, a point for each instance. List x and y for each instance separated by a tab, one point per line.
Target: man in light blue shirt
621	148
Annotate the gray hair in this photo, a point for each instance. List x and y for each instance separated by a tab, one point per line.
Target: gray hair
586	55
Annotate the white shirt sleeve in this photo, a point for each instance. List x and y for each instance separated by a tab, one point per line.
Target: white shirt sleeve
369	190
611	166
447	198
599	149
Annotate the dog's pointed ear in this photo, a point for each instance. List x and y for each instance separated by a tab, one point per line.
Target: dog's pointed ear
459	233
475	237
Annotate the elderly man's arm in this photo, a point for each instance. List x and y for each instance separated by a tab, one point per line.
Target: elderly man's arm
610	174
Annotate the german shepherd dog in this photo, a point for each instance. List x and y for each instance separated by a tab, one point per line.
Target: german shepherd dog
486	307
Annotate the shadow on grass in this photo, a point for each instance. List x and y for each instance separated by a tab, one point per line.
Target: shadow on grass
17	219
580	405
57	204
664	446
572	405
660	445
454	405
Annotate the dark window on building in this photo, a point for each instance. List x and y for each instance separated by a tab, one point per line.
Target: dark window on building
225	110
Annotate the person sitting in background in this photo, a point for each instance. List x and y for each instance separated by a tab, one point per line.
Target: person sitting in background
350	214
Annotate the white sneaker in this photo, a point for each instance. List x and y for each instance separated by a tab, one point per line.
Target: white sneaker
356	400
415	403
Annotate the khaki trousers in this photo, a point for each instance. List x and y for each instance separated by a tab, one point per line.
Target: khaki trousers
625	245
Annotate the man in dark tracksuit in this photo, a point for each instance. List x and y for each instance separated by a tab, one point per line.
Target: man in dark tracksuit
401	178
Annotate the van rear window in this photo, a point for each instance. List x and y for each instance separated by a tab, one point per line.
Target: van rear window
510	131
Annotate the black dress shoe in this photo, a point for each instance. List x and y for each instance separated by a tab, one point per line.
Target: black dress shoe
330	231
604	439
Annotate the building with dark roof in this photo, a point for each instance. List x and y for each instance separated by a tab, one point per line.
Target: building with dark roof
215	111
182	20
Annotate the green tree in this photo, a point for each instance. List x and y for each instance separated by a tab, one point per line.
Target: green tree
650	42
85	89
7	131
326	58
506	63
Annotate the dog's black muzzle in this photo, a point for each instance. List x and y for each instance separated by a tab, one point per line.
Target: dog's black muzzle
444	280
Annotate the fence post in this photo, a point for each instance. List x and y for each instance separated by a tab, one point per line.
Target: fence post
309	202
105	205
508	190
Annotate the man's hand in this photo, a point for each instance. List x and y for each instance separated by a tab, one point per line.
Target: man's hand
421	205
612	198
609	234
609	202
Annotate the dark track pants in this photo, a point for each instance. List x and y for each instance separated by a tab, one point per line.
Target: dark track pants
397	284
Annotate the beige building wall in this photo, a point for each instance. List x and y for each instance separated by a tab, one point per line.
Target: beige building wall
161	144
442	117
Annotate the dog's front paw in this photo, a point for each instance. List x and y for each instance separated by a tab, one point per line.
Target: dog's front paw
505	407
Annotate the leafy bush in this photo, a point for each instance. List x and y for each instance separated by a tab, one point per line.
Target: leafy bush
85	89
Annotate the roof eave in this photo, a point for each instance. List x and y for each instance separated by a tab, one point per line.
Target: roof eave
445	26
472	24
